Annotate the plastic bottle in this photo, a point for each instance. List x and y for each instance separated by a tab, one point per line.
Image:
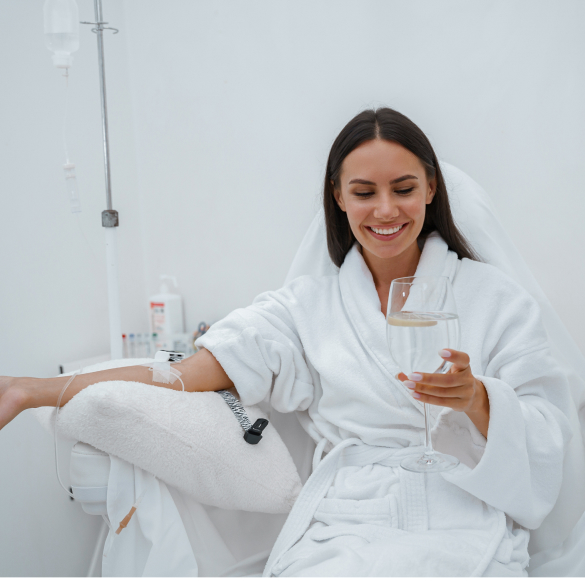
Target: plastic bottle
61	30
166	314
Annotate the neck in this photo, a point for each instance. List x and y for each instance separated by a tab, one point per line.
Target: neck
385	270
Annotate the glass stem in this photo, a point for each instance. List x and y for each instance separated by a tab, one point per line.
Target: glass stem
428	443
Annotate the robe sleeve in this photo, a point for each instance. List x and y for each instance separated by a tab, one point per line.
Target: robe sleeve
519	468
260	350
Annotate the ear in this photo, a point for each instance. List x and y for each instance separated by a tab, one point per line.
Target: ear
432	190
338	198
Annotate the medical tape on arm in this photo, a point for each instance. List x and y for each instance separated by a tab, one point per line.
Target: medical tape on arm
162	372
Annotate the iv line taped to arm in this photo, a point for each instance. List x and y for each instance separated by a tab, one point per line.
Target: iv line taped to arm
162	372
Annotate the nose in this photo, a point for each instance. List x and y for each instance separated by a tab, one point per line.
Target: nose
386	209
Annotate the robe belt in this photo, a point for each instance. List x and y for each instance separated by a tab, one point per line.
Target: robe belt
355	453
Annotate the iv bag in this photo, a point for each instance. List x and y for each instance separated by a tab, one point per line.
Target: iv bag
61	30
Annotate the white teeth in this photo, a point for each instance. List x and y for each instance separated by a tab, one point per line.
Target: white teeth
386	232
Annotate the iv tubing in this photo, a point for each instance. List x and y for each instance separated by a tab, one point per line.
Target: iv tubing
173	373
55	428
66	75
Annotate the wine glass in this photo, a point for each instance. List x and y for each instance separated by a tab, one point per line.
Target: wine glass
422	319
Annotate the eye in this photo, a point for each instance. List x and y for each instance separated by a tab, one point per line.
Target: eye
364	194
403	192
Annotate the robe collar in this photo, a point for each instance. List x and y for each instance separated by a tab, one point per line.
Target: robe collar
362	303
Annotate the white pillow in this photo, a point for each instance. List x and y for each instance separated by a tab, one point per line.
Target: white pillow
191	441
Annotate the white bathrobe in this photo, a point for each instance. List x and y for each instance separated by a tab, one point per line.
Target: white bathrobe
318	347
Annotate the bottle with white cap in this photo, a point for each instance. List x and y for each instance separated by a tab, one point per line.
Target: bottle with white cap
166	314
61	30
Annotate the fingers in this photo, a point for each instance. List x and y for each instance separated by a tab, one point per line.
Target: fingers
453	403
454	378
460	392
439	379
453	389
459	359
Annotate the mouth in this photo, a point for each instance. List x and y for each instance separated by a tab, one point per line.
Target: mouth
387	233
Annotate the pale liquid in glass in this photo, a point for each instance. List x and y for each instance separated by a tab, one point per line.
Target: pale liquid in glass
415	339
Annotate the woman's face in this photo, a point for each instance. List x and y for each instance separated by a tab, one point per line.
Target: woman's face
384	191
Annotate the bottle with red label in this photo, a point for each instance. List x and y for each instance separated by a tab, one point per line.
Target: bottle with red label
166	313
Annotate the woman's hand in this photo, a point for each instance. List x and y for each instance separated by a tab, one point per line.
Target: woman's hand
457	389
13	400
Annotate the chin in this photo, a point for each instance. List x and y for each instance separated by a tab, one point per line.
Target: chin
386	252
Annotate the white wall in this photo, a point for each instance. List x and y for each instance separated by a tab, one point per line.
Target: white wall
237	103
53	306
222	114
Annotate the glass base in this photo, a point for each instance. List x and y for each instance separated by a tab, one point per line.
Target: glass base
434	462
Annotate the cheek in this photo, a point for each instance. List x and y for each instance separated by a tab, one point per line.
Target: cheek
415	207
357	211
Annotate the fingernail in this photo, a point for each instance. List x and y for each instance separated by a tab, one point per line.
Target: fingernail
445	353
410	384
415	376
416	395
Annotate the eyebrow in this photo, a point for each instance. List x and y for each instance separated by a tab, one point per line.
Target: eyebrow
369	183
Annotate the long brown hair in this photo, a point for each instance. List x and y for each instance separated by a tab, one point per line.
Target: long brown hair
385	123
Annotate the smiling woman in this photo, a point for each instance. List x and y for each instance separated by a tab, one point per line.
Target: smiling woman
381	172
385	213
384	189
317	347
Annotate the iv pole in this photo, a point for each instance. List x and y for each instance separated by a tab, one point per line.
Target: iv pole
109	216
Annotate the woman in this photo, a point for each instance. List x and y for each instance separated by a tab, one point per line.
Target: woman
318	347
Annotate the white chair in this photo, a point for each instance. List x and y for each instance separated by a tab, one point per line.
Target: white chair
89	472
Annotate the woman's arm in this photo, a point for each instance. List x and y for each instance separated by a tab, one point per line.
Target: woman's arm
200	372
